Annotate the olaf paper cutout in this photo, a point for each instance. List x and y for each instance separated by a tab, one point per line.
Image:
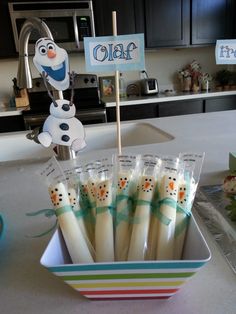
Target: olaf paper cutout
61	127
52	60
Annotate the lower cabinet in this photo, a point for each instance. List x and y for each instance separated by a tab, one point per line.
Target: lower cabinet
180	107
133	112
221	103
12	124
172	108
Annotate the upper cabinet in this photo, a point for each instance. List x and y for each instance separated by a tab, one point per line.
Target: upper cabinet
7	45
211	20
173	23
129	16
167	23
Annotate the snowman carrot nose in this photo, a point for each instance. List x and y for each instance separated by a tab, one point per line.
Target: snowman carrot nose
147	185
51	53
123	183
171	185
181	195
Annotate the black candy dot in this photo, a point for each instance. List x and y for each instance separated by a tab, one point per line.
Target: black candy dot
65	138
64	126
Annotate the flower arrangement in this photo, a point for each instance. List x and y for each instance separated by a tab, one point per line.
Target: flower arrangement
192	78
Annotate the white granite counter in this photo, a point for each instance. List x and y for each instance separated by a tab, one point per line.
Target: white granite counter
6	111
163	97
28	288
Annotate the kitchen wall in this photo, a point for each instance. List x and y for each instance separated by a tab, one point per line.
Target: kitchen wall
162	64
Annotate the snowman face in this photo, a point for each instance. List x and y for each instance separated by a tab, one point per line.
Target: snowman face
92	188
103	194
63	109
147	184
84	190
59	196
72	198
182	195
123	183
170	186
52	60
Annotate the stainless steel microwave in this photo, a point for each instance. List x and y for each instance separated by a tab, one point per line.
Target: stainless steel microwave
68	21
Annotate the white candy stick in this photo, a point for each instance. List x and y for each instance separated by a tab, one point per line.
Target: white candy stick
123	230
92	195
165	237
76	208
71	231
139	236
104	239
152	237
185	197
84	196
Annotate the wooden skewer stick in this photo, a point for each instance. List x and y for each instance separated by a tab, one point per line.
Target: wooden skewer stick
117	75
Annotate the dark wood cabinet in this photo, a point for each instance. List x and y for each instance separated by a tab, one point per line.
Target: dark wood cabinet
220	103
126	16
133	112
12	123
180	107
167	23
211	20
7	45
172	108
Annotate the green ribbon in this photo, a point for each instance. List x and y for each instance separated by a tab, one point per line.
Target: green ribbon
103	209
49	213
157	212
125	213
62	210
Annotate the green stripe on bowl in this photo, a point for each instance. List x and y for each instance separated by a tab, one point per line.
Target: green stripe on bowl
119	266
127	276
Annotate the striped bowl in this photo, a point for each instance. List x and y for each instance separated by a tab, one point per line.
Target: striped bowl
128	280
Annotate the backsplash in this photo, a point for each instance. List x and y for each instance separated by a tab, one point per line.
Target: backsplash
162	64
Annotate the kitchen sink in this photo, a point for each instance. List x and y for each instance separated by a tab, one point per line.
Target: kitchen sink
16	146
132	134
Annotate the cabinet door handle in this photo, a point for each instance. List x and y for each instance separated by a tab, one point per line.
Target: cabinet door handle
76	30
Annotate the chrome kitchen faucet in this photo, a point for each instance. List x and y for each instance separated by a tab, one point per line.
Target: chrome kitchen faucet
24	77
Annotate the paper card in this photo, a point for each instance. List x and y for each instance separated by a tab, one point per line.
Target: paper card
110	53
225	51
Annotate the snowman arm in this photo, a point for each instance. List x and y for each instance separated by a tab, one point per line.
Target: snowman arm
45	139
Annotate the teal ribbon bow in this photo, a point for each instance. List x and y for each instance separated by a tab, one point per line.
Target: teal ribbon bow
49	213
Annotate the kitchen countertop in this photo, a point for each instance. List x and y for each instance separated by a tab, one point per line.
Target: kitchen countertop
163	97
28	288
136	100
6	111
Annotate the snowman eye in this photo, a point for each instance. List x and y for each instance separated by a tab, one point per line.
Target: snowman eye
42	50
50	46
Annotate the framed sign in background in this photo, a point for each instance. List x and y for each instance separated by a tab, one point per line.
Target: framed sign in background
107	86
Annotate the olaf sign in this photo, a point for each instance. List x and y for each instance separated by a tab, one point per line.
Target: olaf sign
225	51
110	53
